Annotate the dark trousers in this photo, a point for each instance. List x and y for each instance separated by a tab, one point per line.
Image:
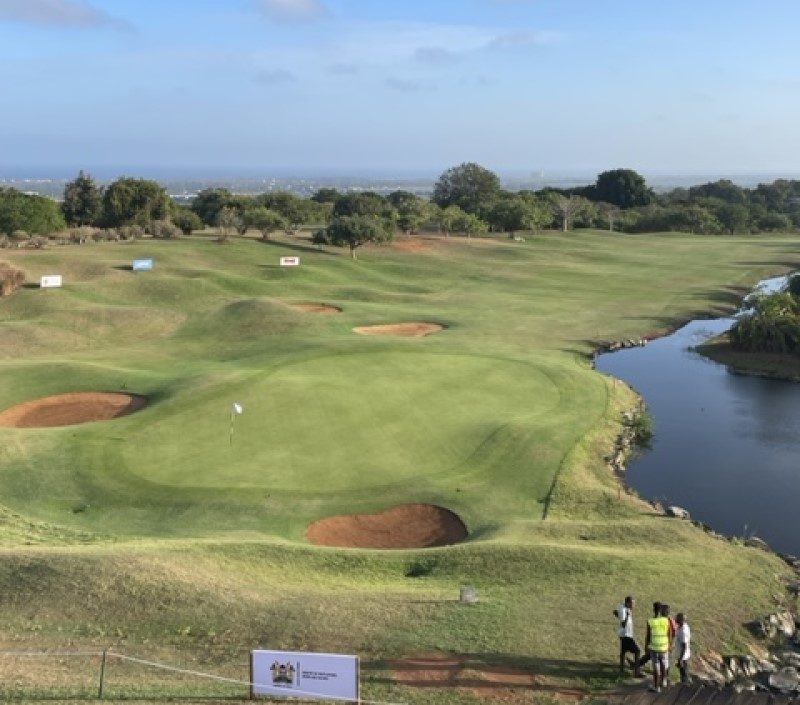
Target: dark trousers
628	645
683	667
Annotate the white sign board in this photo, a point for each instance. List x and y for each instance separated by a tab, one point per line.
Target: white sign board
50	280
142	265
299	674
290	261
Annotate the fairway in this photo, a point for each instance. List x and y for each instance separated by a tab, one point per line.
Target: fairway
478	417
190	537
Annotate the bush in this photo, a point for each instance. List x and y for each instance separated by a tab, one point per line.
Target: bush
11	278
164	230
19	235
130	232
794	285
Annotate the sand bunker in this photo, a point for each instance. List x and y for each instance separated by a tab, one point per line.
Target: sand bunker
414	329
73	408
405	526
311	307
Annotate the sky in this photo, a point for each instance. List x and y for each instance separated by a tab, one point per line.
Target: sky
332	87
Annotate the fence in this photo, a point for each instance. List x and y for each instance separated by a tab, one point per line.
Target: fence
111	675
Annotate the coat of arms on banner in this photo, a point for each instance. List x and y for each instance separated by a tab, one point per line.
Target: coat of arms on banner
282	673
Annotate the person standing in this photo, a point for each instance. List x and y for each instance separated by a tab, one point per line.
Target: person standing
627	641
657	643
684	650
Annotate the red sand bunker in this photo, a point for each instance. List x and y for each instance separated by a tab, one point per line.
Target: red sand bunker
405	526
414	329
311	307
69	409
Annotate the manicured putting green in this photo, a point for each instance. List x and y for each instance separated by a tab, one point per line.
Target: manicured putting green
333	423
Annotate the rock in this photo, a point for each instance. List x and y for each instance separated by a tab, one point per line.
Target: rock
790	658
786	680
677	512
784	622
755	542
744	685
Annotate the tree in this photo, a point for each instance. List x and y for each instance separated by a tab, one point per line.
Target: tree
354	231
209	202
36	215
411	210
325	195
609	212
446	219
622	187
469	186
188	221
140	201
774	221
228	222
733	217
83	201
366	203
511	214
566	208
470	224
265	220
724	190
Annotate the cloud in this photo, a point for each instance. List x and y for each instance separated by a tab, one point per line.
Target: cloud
76	14
293	10
523	38
272	77
403	85
435	56
344	69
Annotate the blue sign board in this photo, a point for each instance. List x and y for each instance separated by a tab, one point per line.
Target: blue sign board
142	265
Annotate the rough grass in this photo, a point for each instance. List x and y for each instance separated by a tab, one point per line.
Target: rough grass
195	549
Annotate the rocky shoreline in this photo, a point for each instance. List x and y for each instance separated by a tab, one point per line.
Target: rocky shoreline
772	665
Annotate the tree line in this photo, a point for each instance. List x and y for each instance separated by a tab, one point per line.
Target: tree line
467	199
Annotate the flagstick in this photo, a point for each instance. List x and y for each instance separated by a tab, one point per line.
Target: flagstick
233	416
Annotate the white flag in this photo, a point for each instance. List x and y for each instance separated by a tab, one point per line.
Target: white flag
237	408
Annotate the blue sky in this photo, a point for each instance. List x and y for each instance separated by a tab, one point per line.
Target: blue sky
405	86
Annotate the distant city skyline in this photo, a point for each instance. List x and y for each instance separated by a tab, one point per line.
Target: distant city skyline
402	88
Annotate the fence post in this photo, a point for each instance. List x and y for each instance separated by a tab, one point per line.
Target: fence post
102	674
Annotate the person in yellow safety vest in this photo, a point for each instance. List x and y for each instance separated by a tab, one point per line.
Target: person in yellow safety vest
657	644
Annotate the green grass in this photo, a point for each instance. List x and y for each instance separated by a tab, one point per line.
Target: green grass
195	545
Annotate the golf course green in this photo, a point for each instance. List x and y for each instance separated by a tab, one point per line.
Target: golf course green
186	522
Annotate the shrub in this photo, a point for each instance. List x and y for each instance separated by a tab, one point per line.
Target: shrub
164	230
130	232
11	278
19	235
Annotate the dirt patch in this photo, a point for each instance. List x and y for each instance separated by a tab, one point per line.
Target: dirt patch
311	307
474	677
413	329
412	244
69	409
405	526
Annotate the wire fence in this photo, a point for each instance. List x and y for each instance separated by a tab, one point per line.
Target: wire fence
111	675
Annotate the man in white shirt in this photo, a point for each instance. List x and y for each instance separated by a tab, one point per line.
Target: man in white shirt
627	642
683	640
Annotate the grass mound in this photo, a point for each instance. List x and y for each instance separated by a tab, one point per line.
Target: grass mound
406	526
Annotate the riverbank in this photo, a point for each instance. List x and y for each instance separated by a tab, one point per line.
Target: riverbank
768	365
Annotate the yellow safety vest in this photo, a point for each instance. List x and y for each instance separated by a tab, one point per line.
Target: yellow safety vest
659	634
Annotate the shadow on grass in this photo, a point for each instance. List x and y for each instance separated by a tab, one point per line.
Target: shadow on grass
297	247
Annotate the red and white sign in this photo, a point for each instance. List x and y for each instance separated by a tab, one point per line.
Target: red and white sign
49	281
290	261
304	675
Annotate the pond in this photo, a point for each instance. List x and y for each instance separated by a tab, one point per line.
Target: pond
726	446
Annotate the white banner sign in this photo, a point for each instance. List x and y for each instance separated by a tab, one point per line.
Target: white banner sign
290	261
299	674
50	280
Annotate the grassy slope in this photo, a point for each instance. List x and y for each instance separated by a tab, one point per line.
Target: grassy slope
489	415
